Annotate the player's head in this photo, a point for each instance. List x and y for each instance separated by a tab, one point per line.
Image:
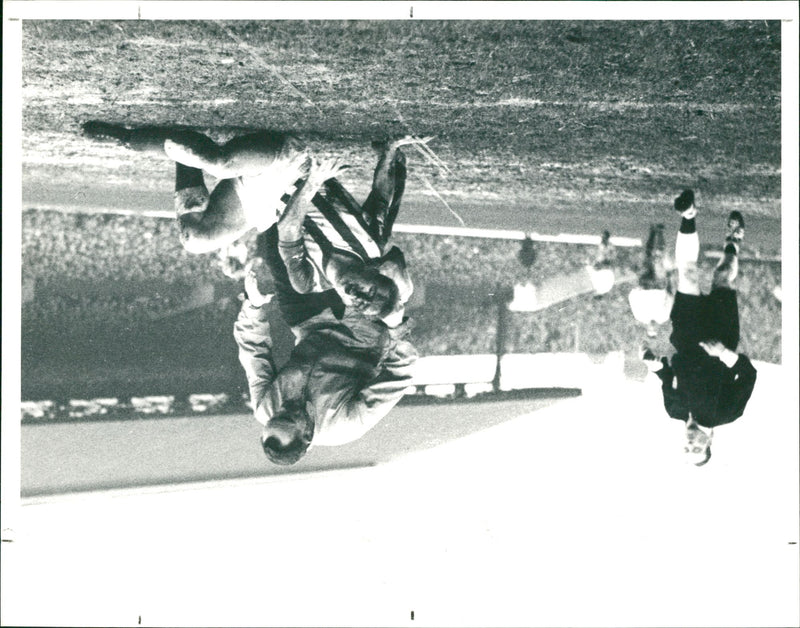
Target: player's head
685	201
287	435
697	447
393	265
369	292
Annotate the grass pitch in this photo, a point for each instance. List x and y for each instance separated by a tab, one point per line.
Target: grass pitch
545	117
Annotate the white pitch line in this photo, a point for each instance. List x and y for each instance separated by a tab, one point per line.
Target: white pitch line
469	232
428	152
435	160
432	157
439	196
502	234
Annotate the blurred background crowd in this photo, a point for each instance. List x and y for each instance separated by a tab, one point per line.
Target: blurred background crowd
109	293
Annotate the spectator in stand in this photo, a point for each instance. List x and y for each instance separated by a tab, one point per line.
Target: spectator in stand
597	277
707	383
527	253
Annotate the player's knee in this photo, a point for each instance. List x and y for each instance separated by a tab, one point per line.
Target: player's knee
198	246
191	200
195	241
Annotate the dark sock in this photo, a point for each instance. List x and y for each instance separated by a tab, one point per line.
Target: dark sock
288	197
187	177
687	225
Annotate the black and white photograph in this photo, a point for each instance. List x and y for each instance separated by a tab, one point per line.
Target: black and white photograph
400	314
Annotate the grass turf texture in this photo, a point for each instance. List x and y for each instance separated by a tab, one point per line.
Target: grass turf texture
541	115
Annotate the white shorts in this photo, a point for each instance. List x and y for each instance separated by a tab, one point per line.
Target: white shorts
602	280
651	305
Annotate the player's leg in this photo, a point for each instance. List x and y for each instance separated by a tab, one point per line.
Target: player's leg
651	301
244	156
652	262
723	298
388	184
256	170
655	239
687	245
728	268
207	222
723	305
689	309
153	138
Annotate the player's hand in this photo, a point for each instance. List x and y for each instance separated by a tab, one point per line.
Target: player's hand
255	297
713	348
324	169
302	162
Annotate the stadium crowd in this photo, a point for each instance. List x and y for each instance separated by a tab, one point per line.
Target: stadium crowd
92	269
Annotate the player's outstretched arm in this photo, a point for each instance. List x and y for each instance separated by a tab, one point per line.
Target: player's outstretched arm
252	334
303	274
290	224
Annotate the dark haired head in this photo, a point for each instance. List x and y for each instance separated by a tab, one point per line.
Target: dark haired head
684	201
393	266
372	293
292	418
388	293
